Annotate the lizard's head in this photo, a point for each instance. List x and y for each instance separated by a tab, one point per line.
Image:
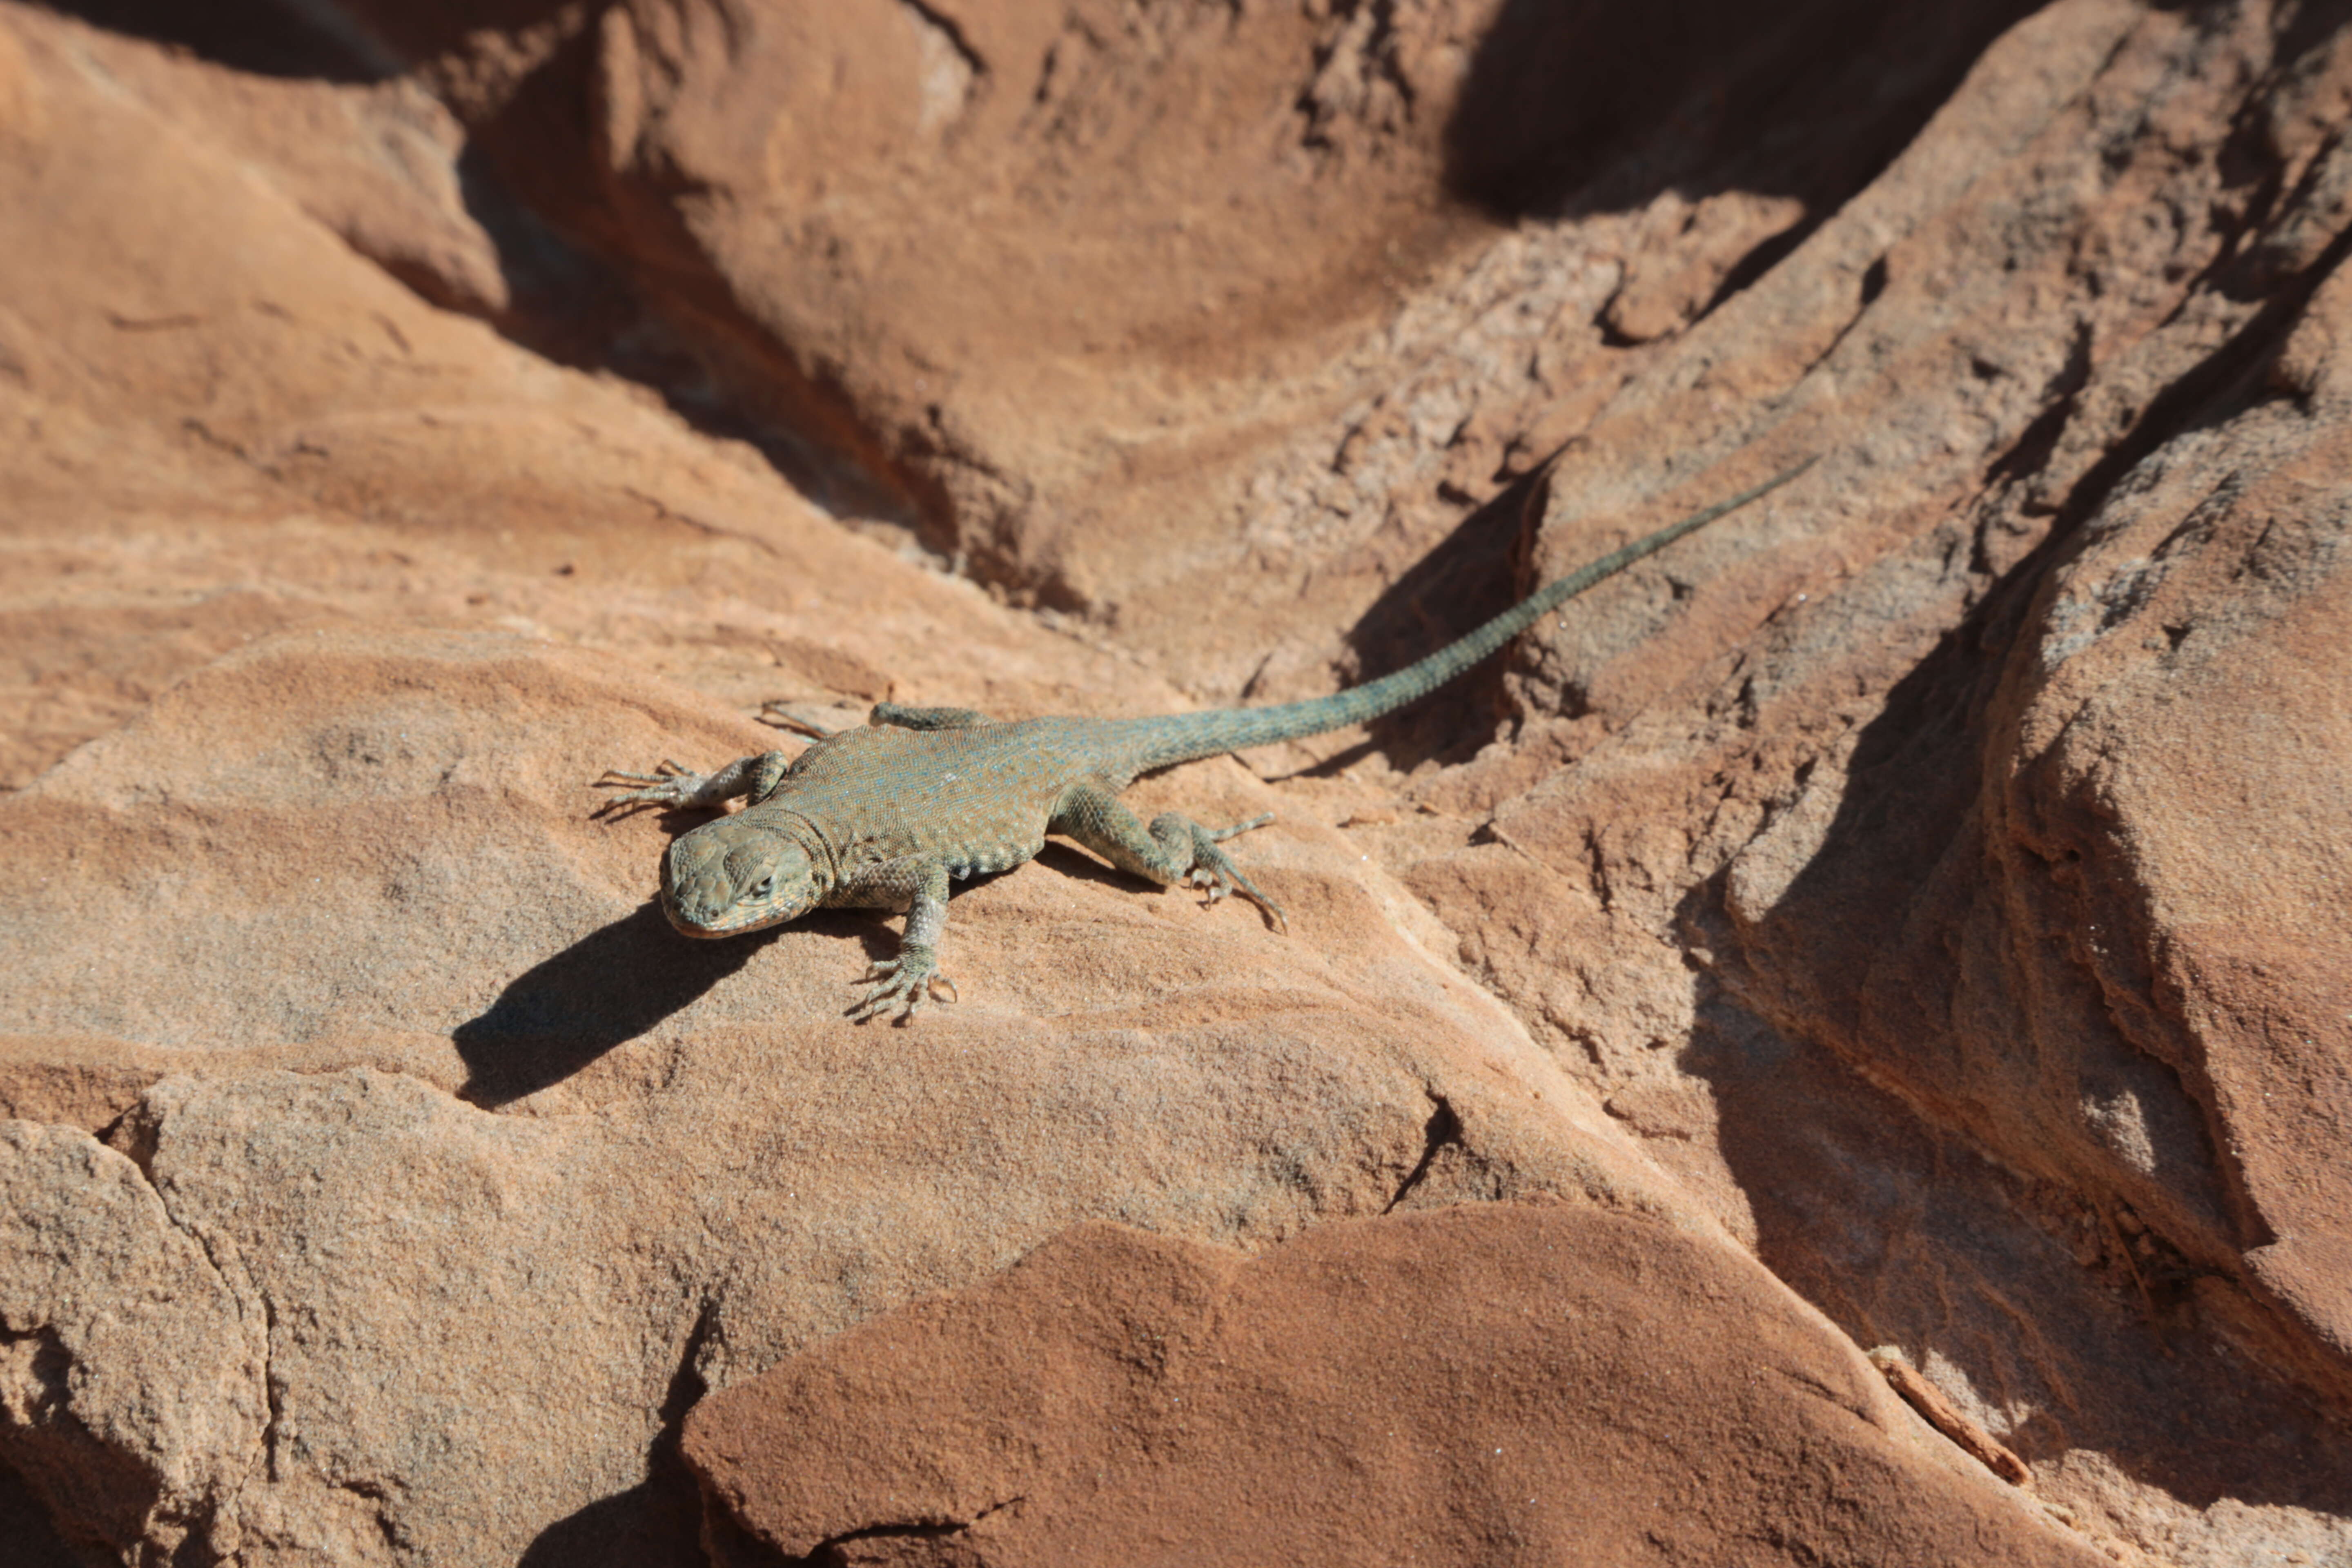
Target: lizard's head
730	876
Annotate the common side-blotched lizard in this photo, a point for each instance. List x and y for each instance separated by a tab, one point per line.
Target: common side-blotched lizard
887	816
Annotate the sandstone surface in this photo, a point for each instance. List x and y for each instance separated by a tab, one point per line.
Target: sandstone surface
1924	888
1488	1383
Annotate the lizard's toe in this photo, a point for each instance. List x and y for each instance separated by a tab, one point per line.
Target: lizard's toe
904	985
668	785
885	993
1220	835
1215	870
1248	889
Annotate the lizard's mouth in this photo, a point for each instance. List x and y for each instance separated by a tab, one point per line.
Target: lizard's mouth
685	924
743	923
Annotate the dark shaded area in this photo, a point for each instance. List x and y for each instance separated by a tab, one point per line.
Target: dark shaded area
27	1538
658	1523
1585	105
1473	575
1881	1218
1917	771
910	1544
265	37
1079	865
332	39
607	988
562	302
1442	1131
2030	451
681	330
565	301
1867	1178
651	1525
1854	943
732	1546
565	304
2225	382
419	29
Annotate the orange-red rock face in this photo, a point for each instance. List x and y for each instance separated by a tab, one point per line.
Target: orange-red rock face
1487	1382
1904	918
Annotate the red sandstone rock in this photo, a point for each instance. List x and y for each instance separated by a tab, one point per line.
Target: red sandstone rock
1929	878
132	1375
1145	310
1486	1383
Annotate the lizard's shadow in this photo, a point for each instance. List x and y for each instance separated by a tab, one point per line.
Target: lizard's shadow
607	988
623	979
1457	585
1068	861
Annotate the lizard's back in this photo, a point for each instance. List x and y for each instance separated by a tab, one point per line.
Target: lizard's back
977	798
924	795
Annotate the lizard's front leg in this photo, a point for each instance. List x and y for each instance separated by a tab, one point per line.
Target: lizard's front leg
749	778
903	983
1174	850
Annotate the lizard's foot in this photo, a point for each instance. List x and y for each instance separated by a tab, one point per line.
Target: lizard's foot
668	785
903	984
1214	869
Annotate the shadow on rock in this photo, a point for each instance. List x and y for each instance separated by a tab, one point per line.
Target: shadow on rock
263	36
658	1523
606	989
1079	865
1590	105
651	1525
1470	577
1904	1232
1886	1076
24	1521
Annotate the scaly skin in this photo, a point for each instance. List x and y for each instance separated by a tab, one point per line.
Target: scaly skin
887	817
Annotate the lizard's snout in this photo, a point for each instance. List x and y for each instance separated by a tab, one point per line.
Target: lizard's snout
694	890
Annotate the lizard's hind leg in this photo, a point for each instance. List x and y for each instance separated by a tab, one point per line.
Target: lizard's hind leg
1173	851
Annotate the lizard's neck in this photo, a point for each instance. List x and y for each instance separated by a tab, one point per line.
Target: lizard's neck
824	859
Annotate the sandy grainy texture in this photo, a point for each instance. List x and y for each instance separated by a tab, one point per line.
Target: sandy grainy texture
1489	1382
1905	916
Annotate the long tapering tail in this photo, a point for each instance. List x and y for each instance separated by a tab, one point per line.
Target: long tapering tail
1181	737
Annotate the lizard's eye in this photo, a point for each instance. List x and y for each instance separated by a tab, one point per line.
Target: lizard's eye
767	886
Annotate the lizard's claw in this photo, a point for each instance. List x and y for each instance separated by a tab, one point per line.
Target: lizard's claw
1214	869
903	984
669	785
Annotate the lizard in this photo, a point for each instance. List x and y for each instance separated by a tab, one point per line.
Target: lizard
888	815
